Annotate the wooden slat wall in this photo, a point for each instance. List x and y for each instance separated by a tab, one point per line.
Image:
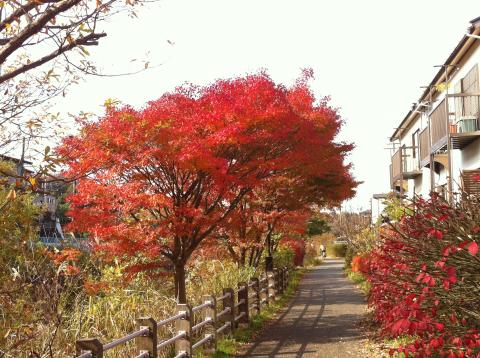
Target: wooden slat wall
470	105
438	123
470	185
396	163
424	144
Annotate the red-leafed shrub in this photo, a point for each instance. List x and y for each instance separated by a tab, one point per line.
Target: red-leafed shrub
298	247
425	279
360	264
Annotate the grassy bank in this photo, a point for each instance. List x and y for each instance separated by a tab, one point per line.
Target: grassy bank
358	279
229	346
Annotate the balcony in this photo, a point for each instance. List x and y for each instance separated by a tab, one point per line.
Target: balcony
464	127
405	164
463	121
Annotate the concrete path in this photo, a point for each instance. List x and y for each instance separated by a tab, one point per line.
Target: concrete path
320	321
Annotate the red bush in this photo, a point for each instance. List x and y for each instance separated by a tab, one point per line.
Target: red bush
298	246
425	279
360	264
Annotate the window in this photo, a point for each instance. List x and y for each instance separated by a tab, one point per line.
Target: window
415	143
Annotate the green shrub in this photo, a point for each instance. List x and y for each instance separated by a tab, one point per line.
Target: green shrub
284	257
337	250
349	253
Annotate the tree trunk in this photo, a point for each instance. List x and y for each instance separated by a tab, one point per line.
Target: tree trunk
242	257
180	286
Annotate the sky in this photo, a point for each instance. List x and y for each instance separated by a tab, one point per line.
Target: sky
370	57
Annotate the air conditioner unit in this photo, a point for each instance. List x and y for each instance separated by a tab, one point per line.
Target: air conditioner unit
467	124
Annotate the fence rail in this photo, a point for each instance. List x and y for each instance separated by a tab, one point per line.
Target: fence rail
220	315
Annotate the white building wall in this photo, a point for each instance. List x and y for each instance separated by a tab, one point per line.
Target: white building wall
377	209
466	159
470	156
425	192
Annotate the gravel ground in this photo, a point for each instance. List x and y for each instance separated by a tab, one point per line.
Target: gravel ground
322	320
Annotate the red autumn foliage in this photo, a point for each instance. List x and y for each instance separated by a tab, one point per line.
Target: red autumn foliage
277	208
156	182
360	264
424	279
298	247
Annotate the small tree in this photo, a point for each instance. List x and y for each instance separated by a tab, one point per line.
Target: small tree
158	182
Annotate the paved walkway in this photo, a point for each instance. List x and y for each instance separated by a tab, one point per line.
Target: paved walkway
320	321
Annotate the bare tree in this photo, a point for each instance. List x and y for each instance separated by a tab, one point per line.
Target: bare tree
43	50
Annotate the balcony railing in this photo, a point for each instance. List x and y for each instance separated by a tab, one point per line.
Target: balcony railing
438	126
464	120
396	165
405	163
424	144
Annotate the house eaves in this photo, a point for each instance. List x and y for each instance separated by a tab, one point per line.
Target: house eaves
455	57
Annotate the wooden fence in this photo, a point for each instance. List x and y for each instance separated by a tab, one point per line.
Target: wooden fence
219	315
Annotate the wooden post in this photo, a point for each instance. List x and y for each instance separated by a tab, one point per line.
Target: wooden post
287	275
210	313
256	289
264	285
147	343
281	281
184	345
229	302
243	307
268	263
270	286
276	280
89	344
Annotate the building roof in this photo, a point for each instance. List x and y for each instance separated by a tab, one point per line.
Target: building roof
461	48
27	165
12	159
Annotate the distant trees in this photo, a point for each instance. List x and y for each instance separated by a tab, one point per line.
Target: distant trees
317	226
156	183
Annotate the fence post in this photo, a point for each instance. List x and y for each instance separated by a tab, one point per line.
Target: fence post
265	284
147	343
256	289
184	345
229	302
89	344
210	312
270	286
276	280
243	307
287	274
281	281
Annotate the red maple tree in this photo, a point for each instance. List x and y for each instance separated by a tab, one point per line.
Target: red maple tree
277	208
156	182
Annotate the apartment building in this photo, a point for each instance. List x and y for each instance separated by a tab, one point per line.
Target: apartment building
436	147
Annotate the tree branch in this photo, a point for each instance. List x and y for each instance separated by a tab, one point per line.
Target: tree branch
89	40
35	27
23	10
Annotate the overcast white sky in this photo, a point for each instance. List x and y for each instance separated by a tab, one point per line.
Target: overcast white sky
370	56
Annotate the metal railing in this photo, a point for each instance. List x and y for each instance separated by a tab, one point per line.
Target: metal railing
219	315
